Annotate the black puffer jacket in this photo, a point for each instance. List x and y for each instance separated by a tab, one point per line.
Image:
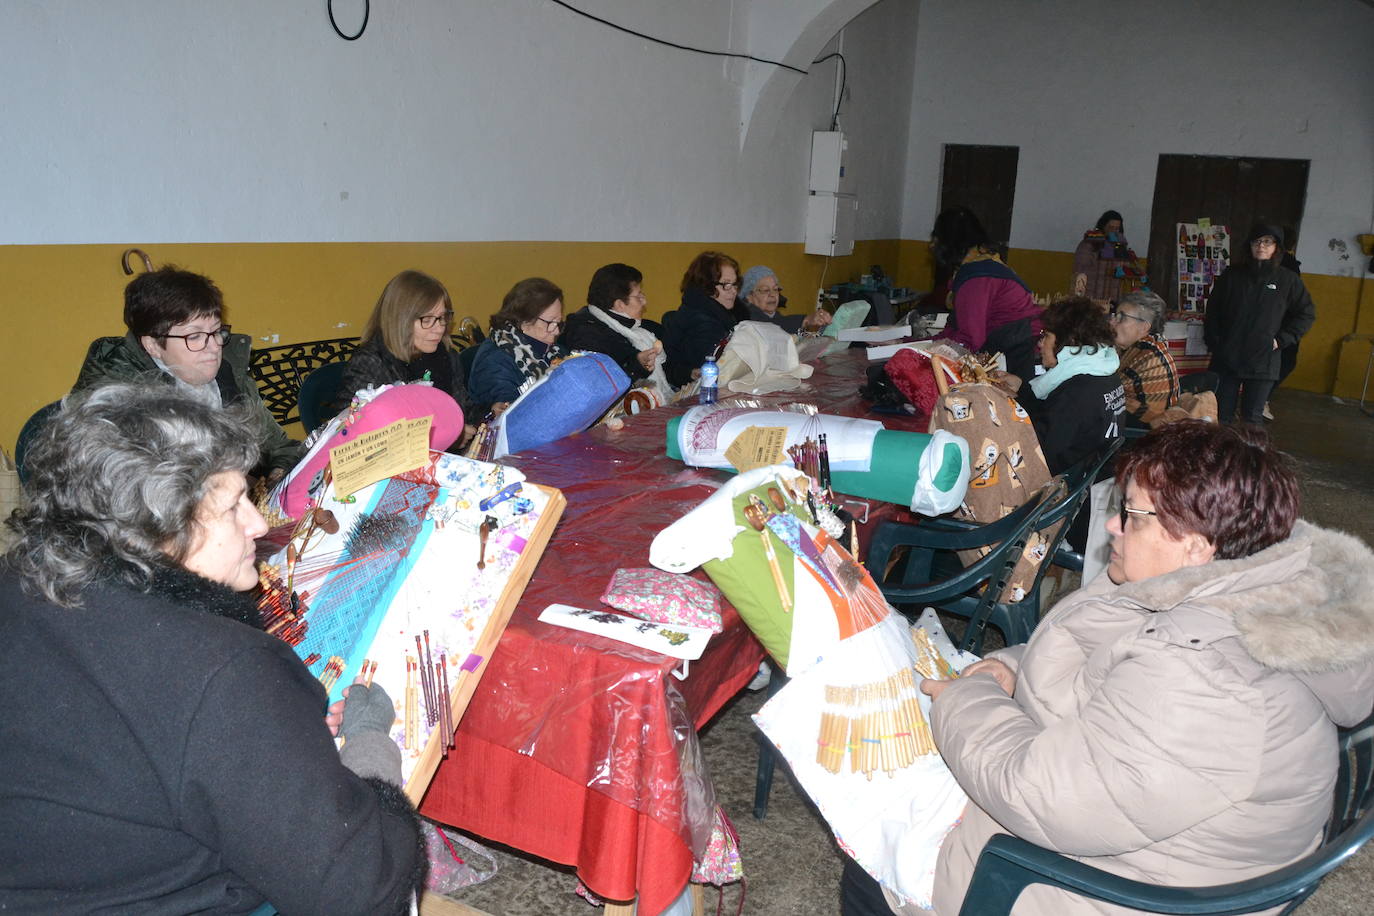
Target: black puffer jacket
693	330
1253	305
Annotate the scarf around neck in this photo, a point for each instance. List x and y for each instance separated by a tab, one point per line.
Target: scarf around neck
532	367
1073	361
642	339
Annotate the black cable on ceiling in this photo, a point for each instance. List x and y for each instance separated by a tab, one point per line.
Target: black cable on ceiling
672	44
367	11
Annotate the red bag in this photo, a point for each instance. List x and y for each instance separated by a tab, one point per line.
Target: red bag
911	372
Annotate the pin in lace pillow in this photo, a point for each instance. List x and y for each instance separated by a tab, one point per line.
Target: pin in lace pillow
665	597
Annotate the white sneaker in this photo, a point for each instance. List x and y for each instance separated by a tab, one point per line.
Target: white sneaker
1266	413
761	679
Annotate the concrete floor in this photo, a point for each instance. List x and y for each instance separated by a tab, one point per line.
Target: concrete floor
791	864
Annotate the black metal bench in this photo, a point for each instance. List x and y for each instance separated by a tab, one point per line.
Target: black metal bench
279	371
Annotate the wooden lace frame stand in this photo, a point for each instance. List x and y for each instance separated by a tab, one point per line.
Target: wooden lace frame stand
463	688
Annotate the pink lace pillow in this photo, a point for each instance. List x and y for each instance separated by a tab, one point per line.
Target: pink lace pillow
665	597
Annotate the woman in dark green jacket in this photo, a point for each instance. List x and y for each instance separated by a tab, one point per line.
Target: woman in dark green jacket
177	334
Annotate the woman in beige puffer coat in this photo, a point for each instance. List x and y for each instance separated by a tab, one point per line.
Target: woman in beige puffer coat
1175	721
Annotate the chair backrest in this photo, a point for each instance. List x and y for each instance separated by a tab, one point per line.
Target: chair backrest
1078	480
1009	864
1354	778
319	390
32	427
280	371
466	357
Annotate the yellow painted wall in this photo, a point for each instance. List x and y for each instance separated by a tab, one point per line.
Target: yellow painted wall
56	298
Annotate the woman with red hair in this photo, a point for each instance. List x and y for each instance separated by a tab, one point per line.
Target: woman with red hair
1174	721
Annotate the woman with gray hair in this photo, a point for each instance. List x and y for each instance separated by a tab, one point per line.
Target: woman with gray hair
161	754
1147	370
761	293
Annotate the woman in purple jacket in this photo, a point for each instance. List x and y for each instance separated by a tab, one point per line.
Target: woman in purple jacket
993	310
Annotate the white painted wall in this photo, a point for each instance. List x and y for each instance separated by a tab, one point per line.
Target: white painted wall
1093	92
192	121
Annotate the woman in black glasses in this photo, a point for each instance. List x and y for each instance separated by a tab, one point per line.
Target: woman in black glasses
176	333
1173	721
407	340
709	312
523	344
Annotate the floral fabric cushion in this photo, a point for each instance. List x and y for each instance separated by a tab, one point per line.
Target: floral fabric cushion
665	597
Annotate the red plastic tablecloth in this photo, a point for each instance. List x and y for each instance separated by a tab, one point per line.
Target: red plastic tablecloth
575	748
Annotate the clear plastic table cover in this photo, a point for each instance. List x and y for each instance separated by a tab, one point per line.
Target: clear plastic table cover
606	714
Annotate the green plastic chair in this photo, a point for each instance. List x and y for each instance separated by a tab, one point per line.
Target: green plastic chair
1008	865
931	574
917	579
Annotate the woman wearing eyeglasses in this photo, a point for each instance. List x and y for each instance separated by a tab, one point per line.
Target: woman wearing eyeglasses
709	312
406	340
762	296
1174	721
1147	370
1077	404
176	333
1257	309
613	322
523	344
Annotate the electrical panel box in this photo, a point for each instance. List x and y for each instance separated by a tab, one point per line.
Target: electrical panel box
830	220
829	163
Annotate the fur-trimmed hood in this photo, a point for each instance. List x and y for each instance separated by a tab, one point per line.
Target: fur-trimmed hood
1304	606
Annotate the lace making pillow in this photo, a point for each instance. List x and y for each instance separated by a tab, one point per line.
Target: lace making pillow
665	597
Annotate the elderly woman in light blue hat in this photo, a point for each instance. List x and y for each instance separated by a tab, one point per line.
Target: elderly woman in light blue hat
761	293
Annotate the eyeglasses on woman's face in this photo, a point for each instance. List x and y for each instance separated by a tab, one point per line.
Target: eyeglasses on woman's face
197	340
768	290
1127	511
428	321
1122	316
727	285
552	324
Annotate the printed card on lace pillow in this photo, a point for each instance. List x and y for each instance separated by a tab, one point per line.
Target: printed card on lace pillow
665	597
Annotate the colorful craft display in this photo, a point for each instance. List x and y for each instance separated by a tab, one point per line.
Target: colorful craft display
385	583
854	730
568	399
927	472
795	586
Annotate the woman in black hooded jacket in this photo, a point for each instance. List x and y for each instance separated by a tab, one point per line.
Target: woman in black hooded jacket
1256	309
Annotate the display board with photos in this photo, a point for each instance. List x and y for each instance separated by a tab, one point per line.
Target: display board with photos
1204	251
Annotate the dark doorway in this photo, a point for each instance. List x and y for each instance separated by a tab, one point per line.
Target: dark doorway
1234	190
982	178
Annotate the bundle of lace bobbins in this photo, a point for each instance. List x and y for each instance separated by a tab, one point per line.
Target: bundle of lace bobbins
879	724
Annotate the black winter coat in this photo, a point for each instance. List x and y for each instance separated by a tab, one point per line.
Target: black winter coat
587	332
373	364
1077	418
692	331
1251	307
160	756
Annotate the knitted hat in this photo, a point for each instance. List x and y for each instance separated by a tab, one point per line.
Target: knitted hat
751	279
1260	230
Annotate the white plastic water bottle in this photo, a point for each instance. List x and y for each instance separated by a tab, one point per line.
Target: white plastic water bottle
710	375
